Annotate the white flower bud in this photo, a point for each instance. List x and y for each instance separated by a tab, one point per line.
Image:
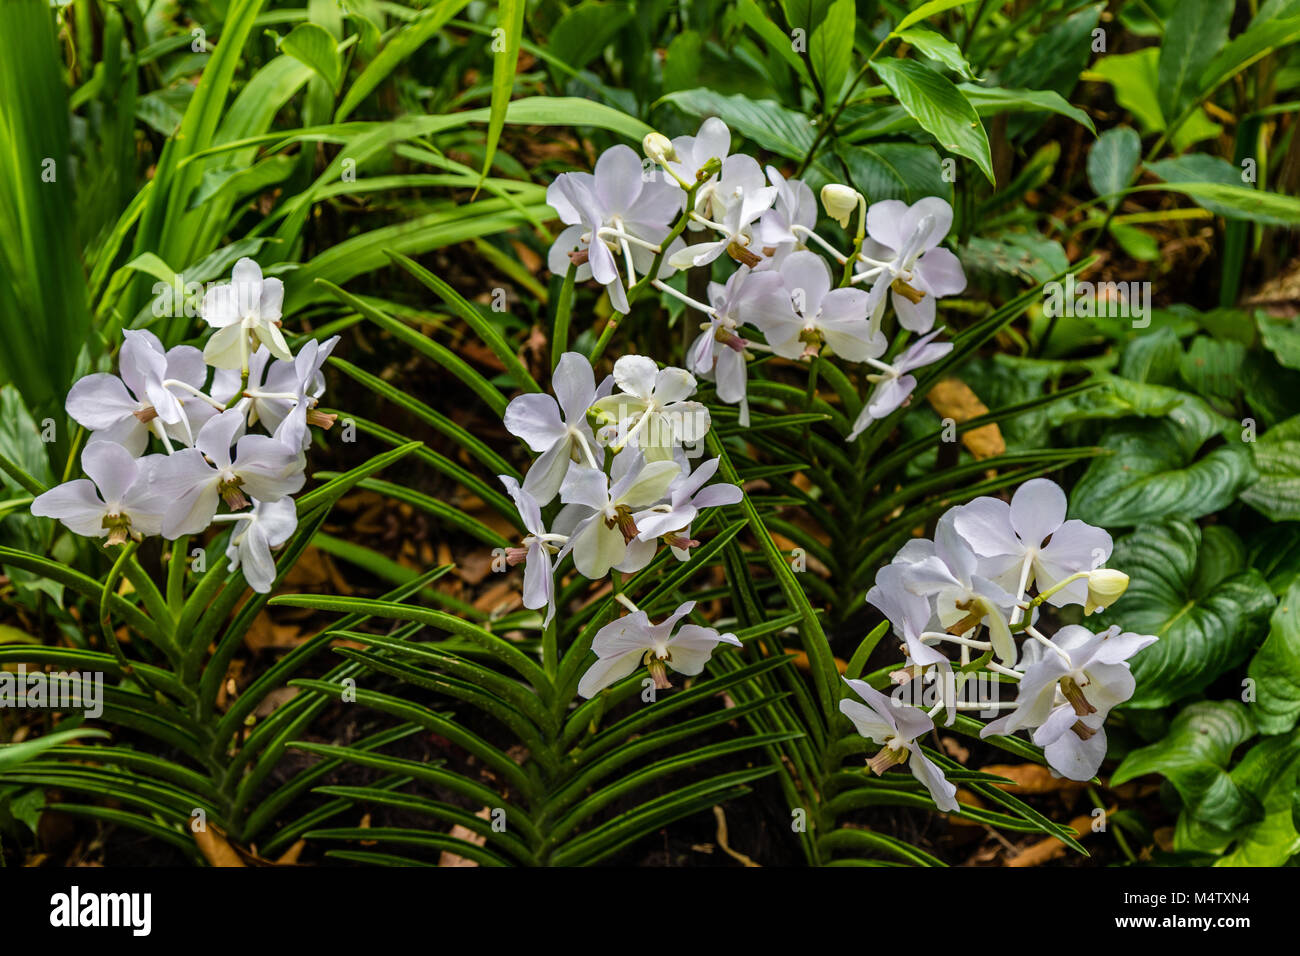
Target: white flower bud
1105	585
839	202
658	147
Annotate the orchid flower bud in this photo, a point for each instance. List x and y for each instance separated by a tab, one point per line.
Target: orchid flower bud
1105	586
840	202
658	147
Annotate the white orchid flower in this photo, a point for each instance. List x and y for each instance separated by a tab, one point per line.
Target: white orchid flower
276	389
623	645
713	141
719	351
686	496
614	214
904	257
535	551
115	502
557	427
897	727
893	383
608	536
226	384
651	410
196	479
820	316
303	384
268	525
152	396
735	203
785	226
909	614
244	312
1069	690
1009	539
963	599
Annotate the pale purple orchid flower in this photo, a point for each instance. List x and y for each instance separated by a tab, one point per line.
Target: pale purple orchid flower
278	390
820	314
719	351
898	727
652	410
904	256
556	427
116	501
1008	538
893	383
268	525
740	196
623	645
909	614
535	552
245	312
129	408
196	479
616	216
1067	693
686	496
795	207
951	577
608	536
712	141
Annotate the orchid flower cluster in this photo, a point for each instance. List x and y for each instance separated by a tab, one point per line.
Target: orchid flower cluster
619	458
782	298
209	456
968	589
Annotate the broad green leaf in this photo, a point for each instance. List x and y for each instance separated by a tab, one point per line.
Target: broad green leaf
768	124
584	31
777	40
1112	162
937	48
1212	368
1192	592
1241	202
1194	757
1256	42
1133	77
1275	551
1268	772
1275	668
906	171
831	46
1281	336
1199	168
1196	30
927	10
1053	58
1154	468
940	108
682	62
1277	456
992	100
312	45
1028	256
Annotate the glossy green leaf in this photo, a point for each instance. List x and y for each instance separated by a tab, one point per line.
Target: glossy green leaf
940	108
1191	591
